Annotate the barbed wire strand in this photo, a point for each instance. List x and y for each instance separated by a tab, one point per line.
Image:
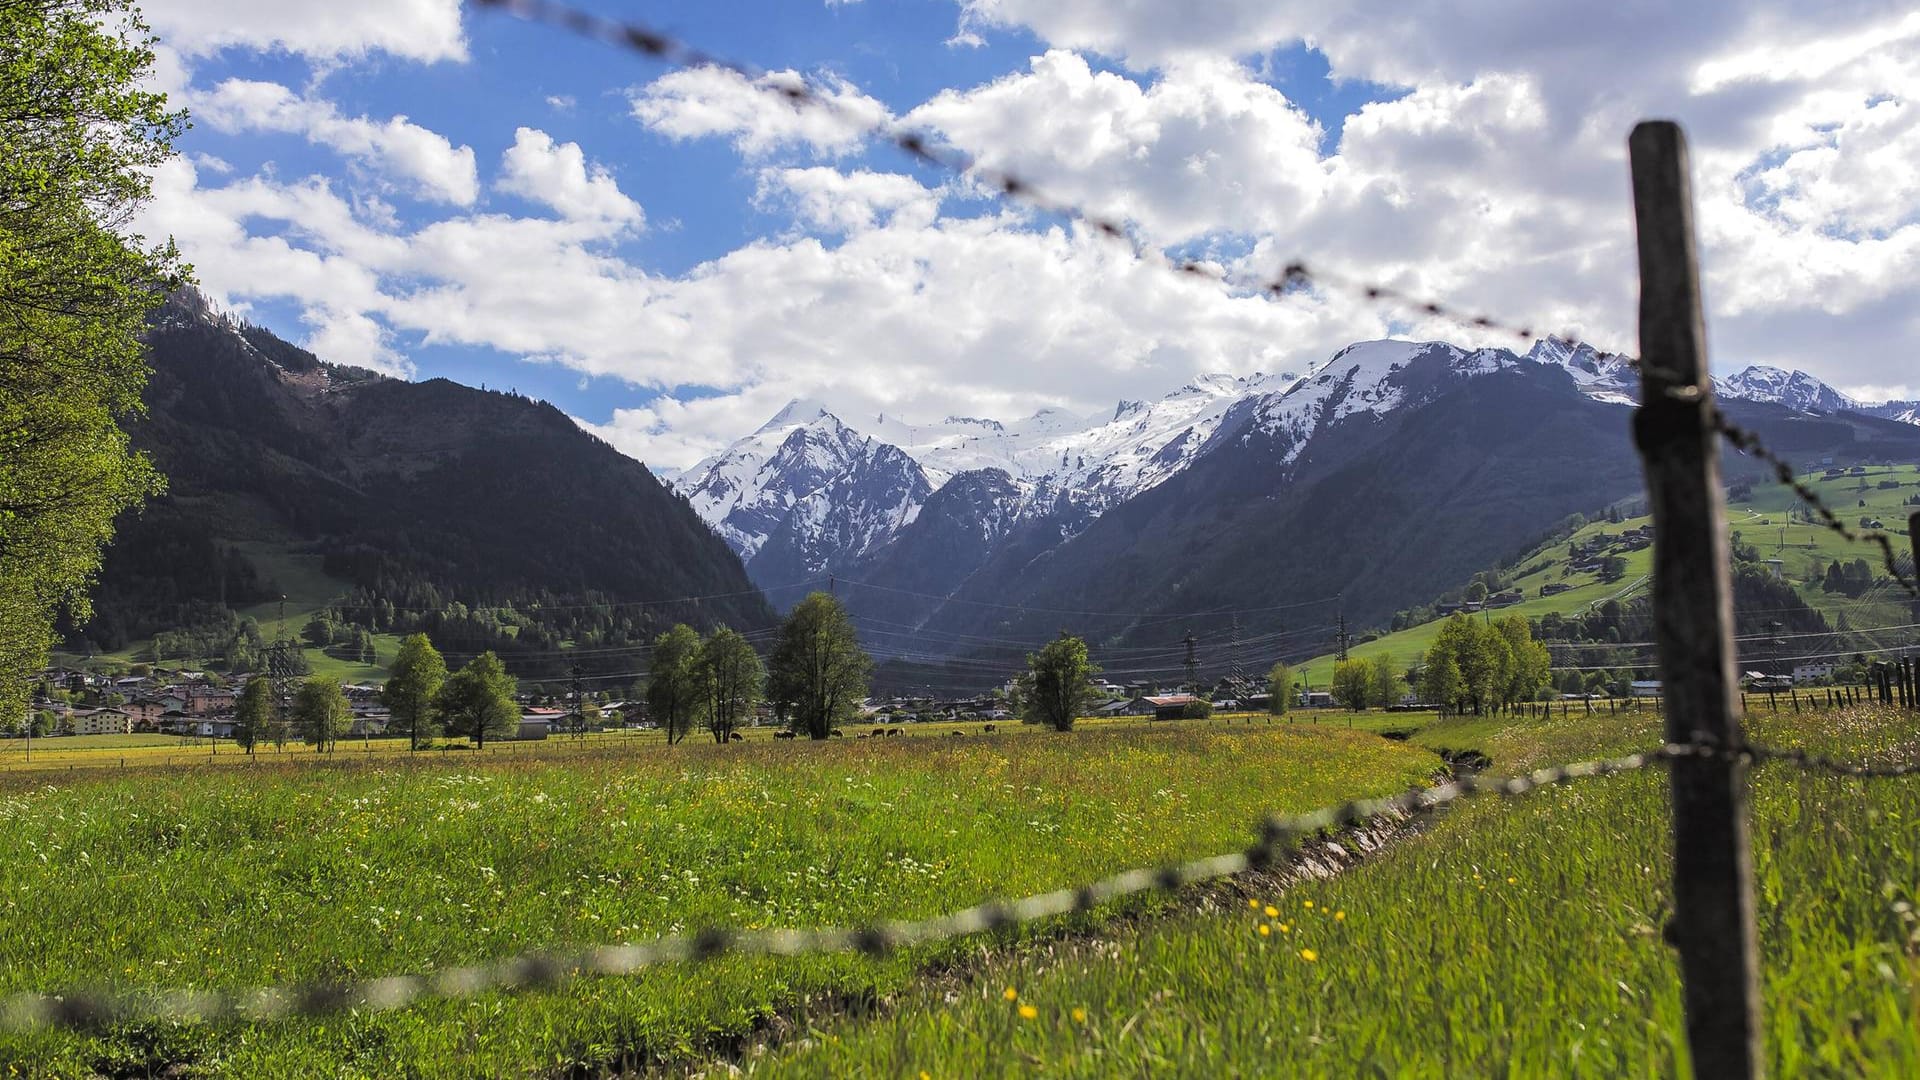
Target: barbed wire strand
87	1009
1295	276
1748	443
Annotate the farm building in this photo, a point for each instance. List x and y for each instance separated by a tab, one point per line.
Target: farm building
1162	706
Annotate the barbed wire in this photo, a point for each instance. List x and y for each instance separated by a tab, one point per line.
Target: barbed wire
83	1009
1295	276
1747	442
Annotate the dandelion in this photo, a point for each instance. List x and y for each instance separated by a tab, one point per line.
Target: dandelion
1253	903
1028	1012
1339	916
1512	880
1286	928
1264	931
1010	994
1309	955
1272	912
1079	1015
925	1075
1308	903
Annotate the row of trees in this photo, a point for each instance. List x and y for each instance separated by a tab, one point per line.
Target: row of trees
422	697
815	678
1358	684
1474	665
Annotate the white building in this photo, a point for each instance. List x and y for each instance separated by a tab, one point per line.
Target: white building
1814	672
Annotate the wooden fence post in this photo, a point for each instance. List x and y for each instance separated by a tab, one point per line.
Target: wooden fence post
1713	919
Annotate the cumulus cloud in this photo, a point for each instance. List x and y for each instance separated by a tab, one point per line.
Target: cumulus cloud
396	147
831	201
756	115
424	30
558	175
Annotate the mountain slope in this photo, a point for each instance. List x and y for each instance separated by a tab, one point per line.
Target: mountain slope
488	519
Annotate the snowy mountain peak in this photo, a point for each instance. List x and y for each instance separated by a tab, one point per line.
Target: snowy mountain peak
1794	389
796	412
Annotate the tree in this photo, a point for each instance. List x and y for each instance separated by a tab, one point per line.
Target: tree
1384	684
673	680
1352	683
818	673
1279	688
477	701
1440	681
253	714
320	713
1530	663
417	675
731	680
80	139
1058	685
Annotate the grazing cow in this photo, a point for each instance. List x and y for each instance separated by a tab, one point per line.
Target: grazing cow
837	733
734	736
989	729
878	731
783	734
896	731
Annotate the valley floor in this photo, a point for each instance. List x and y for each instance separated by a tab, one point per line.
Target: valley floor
1507	937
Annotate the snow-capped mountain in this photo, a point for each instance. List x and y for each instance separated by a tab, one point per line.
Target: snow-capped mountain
809	493
808	483
1795	389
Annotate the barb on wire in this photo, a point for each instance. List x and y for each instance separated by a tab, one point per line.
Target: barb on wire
82	1009
1297	276
1749	443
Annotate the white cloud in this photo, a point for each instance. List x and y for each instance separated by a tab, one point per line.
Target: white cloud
424	30
835	202
756	115
558	176
434	167
562	103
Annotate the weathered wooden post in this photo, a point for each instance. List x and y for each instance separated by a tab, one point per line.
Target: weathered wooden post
1713	919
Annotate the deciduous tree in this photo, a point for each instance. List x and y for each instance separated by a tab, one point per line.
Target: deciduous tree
320	713
81	134
818	673
1058	685
477	701
418	673
1279	689
673	681
731	679
253	714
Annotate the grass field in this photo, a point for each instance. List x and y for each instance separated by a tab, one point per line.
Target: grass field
1511	939
1761	520
377	865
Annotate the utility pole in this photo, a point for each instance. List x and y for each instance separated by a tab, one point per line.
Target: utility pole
1238	671
1342	638
1675	430
1193	666
578	718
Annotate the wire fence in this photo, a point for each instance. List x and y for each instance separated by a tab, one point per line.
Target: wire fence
88	1009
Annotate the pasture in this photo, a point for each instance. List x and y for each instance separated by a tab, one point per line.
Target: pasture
1516	938
216	876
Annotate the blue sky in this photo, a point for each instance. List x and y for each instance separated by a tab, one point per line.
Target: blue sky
449	192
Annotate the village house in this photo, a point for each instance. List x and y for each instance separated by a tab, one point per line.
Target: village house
98	722
1162	706
1812	672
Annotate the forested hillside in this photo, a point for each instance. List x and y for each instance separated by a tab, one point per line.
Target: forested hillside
383	506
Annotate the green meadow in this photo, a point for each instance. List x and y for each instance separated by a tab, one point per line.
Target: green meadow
1510	938
202	876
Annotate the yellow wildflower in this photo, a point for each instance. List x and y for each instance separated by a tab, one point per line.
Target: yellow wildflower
1079	1015
1308	903
1010	994
1264	931
1512	880
1309	955
1285	928
1272	912
1028	1012
1252	903
1339	916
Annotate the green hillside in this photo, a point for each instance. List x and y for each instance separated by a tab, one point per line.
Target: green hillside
1769	518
